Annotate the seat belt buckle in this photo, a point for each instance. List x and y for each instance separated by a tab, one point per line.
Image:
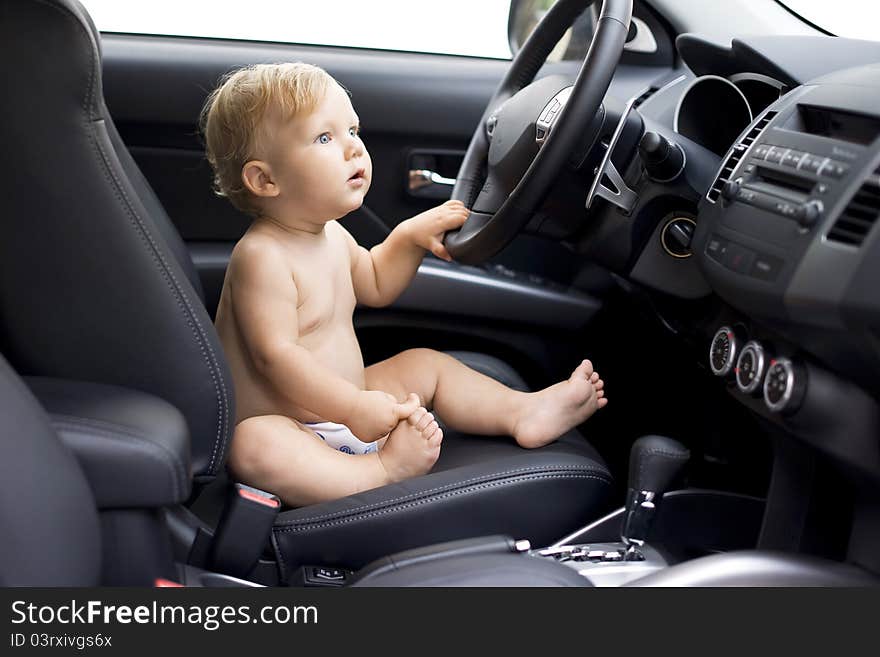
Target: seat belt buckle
243	530
162	583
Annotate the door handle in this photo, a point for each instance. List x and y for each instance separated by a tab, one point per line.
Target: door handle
425	179
427	170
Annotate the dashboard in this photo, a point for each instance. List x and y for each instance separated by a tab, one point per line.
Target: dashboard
757	182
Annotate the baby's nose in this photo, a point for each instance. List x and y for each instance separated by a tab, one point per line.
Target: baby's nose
355	148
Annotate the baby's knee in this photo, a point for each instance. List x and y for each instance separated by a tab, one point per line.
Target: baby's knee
421	356
251	449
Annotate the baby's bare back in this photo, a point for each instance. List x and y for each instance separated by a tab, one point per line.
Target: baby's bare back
317	274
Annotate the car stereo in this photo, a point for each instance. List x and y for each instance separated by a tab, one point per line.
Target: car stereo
795	200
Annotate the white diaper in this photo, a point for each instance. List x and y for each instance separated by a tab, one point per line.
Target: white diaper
340	437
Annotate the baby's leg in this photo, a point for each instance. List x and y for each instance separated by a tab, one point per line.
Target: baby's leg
473	403
276	454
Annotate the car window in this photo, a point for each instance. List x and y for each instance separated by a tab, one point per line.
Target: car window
847	18
455	27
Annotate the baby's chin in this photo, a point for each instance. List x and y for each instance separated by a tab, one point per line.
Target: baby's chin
355	205
357	198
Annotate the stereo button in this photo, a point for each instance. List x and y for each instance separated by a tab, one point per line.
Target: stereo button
761	151
791	158
834	169
811	211
775	154
812	163
789	210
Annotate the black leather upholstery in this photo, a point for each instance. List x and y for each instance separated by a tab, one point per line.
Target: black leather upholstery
95	285
89	287
133	447
48	523
534	495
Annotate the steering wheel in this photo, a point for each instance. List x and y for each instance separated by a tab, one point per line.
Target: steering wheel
529	130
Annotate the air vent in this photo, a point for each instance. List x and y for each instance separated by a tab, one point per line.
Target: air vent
860	215
736	155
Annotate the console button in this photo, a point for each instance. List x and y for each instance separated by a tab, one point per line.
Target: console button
784	385
775	154
761	151
792	158
716	248
811	211
765	267
738	258
731	189
758	199
834	169
786	209
332	574
812	163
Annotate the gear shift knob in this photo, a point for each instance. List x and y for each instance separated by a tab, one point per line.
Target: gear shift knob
654	463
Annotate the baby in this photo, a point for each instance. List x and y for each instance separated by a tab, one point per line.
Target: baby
313	423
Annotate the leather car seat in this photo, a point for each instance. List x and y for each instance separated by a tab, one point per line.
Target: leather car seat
67	550
97	285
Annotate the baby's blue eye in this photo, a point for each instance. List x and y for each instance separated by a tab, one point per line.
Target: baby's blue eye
354	131
323	139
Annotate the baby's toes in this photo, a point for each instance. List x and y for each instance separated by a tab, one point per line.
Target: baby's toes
599	384
429	430
601	403
584	370
435	438
423	423
600	394
417	415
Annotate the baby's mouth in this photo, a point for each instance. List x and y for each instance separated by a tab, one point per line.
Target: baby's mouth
358	175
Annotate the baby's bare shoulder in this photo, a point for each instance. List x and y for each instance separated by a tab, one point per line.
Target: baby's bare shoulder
255	245
257	258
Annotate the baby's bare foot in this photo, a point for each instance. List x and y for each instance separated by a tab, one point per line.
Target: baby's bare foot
550	412
412	448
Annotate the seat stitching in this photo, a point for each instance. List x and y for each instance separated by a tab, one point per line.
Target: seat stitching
74	424
453	493
446	487
182	302
66	13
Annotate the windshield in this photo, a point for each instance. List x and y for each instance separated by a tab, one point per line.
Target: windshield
856	19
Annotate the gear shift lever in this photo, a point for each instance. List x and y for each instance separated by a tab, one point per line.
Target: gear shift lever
654	462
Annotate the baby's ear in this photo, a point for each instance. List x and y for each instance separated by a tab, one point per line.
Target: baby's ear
257	178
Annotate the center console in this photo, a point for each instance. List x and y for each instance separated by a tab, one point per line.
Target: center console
785	231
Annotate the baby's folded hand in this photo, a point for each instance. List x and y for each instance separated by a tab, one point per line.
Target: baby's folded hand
427	229
376	413
408	406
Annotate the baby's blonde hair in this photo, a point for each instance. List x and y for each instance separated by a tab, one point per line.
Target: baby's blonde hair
233	117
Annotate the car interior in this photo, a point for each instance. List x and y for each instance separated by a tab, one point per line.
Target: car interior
691	208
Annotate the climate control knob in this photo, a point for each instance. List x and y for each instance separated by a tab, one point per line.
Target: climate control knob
750	367
723	351
784	385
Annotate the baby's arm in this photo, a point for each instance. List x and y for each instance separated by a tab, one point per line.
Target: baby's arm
381	274
264	298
